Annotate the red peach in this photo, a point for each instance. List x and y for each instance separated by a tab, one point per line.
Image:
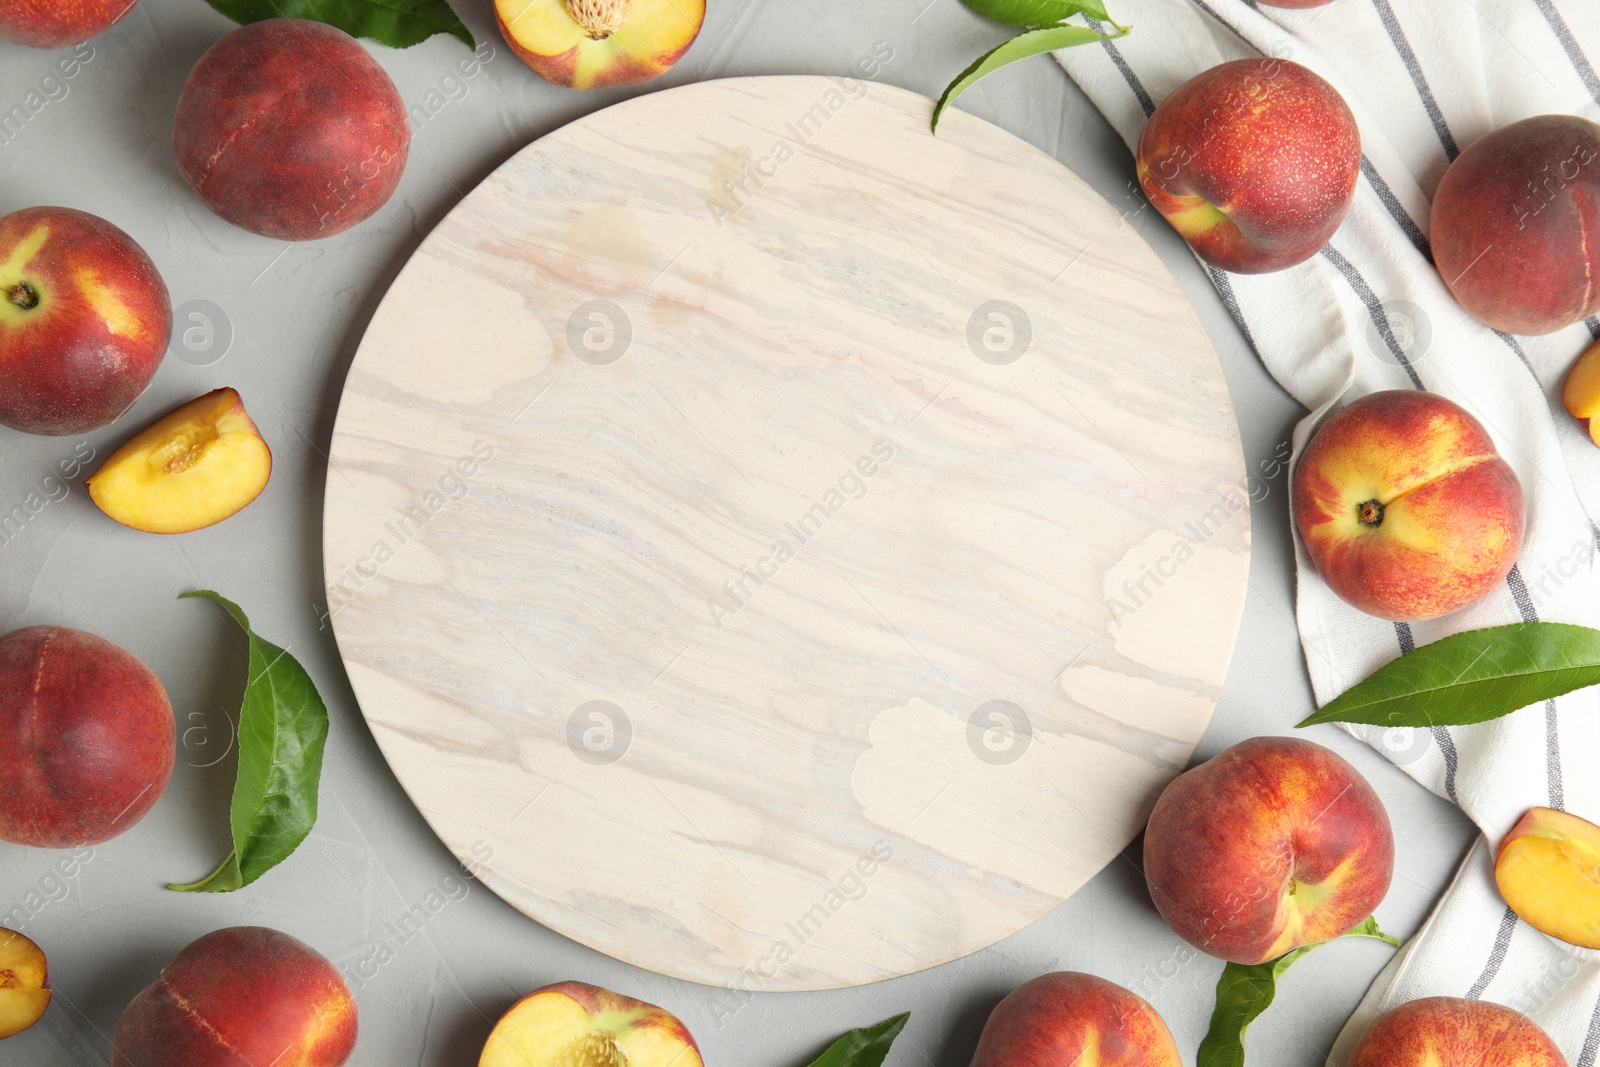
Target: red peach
1516	225
87	738
1453	1032
1407	510
1253	162
1070	1018
1274	844
84	321
246	996
290	129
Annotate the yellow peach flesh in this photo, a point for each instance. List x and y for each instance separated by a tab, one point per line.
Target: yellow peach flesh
535	1031
586	44
197	466
550	1029
1581	394
1548	871
22	288
24	988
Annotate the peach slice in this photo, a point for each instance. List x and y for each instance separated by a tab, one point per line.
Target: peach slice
1549	872
24	984
1581	394
191	469
576	1025
598	44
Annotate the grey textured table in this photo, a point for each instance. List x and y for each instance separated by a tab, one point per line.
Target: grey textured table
433	957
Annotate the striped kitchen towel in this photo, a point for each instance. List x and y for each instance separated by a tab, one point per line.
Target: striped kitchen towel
1425	79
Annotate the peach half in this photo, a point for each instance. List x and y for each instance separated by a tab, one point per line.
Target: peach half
24	984
600	44
1548	870
191	469
576	1025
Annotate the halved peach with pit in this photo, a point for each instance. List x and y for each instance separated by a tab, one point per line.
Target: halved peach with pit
1548	871
191	469
24	983
597	44
578	1025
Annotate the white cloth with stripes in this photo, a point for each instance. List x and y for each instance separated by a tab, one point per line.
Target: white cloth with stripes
1425	78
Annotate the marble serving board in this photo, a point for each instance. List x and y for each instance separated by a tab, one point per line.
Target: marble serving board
781	548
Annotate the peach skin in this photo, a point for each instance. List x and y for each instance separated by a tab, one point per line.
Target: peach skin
1274	844
87	738
1548	871
1407	510
1069	1018
1453	1032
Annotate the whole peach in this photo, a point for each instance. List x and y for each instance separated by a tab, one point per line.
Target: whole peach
1070	1018
289	129
84	321
1515	231
1406	508
58	23
1273	844
1453	1032
1253	162
87	738
246	996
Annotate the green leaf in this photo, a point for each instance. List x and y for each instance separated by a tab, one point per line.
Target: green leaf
1472	677
1243	993
864	1048
1037	12
283	726
1031	43
396	23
